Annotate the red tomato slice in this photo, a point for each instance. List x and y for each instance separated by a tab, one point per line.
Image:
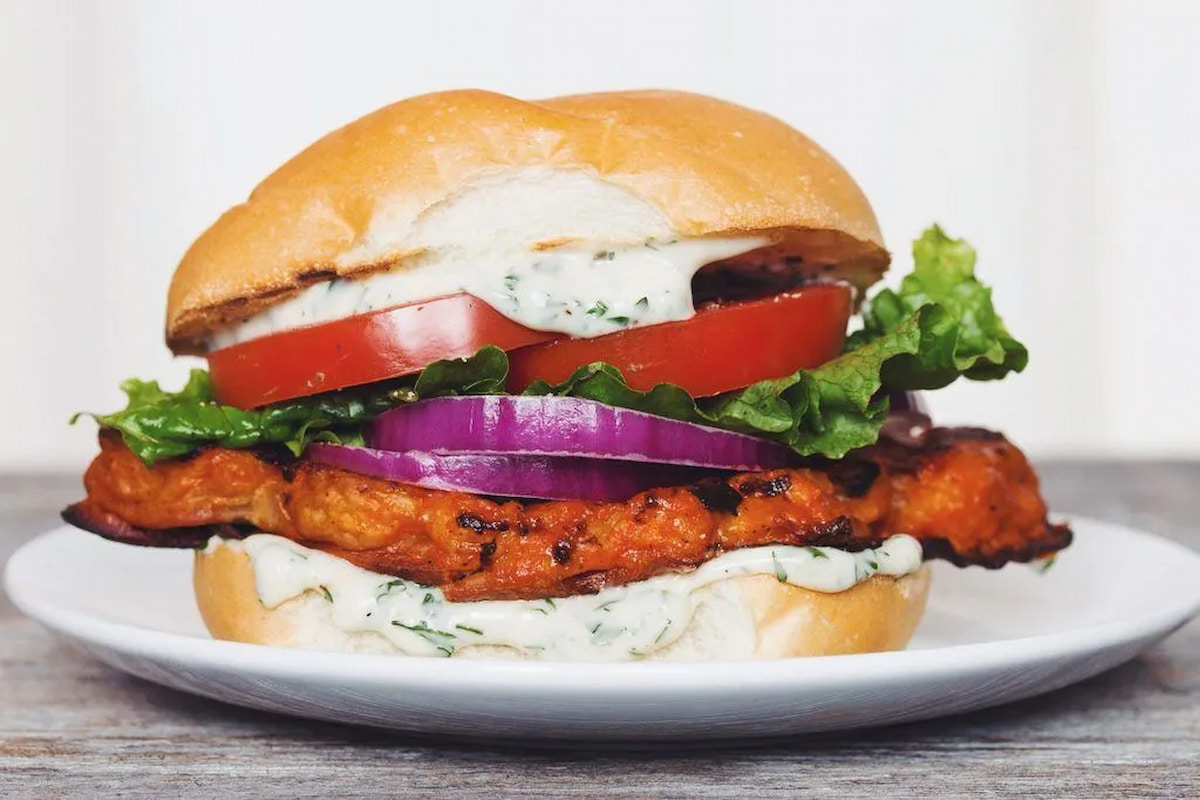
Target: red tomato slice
360	349
721	348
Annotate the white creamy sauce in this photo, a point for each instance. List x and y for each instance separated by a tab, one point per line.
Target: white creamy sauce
579	290
617	623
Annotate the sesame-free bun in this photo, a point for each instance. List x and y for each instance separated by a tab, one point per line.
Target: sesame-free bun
745	617
472	168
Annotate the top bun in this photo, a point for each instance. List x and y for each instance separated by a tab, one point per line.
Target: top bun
474	167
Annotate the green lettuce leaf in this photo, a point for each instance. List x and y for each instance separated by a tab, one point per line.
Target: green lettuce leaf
826	411
961	333
938	326
156	424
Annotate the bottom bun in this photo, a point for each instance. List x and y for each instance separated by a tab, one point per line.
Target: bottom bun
744	617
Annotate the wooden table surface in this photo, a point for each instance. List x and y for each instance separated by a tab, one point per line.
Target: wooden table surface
71	727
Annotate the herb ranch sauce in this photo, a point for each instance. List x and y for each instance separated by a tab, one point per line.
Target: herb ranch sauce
579	290
617	623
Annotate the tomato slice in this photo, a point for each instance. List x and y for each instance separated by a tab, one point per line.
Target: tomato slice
721	348
360	349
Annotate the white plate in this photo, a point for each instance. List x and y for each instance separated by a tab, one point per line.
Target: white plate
988	638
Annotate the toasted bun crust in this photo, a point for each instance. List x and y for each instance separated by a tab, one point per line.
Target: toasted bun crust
414	176
878	614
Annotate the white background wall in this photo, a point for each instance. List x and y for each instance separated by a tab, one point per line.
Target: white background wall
1062	138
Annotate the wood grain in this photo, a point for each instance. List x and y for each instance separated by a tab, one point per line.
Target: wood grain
71	727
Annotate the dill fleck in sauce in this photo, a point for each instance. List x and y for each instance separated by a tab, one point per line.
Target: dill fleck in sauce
583	291
618	623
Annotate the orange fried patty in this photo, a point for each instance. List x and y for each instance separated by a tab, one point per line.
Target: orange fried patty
968	495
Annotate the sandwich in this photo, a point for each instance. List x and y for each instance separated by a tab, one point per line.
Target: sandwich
599	377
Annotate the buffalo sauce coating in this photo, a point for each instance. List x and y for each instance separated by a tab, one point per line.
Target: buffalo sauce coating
966	495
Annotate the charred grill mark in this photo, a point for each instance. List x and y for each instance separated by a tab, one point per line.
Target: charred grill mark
586	582
716	495
110	526
765	487
477	524
649	502
316	275
995	516
854	478
277	456
1058	537
562	550
837	532
289	471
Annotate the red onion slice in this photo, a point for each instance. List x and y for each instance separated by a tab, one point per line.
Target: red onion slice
908	421
537	477
567	426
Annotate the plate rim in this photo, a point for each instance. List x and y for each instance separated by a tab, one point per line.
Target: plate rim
618	678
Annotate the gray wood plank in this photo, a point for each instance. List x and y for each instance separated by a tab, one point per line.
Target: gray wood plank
70	726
